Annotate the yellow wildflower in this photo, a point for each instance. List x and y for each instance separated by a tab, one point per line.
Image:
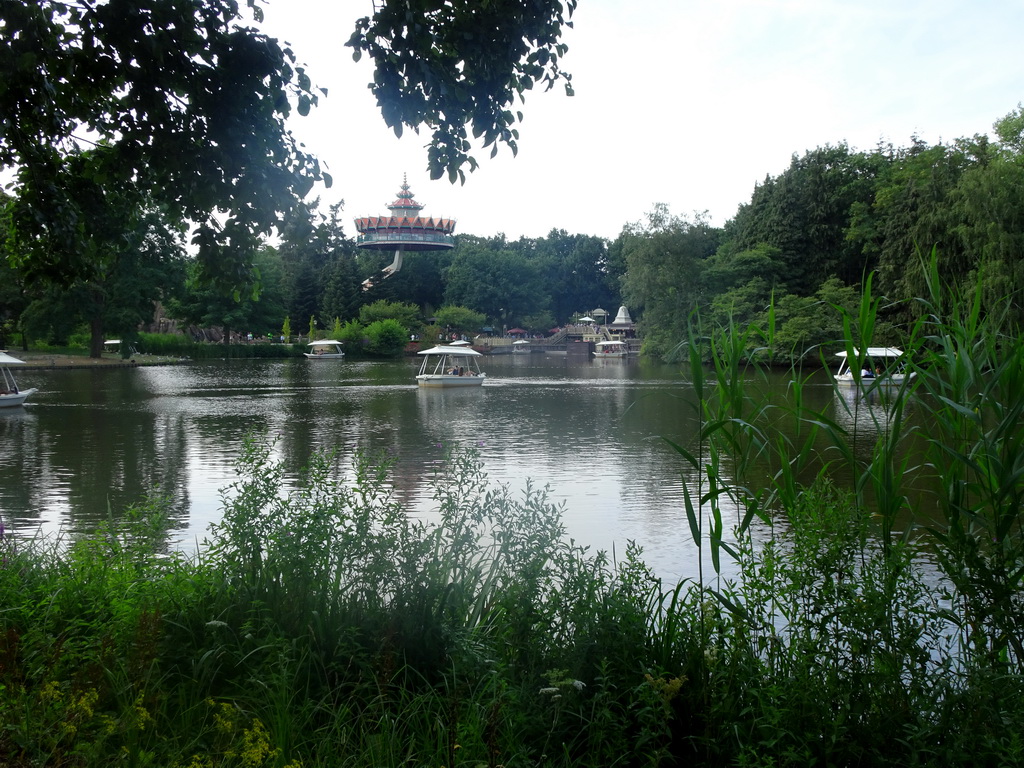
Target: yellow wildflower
142	718
50	692
256	747
223	720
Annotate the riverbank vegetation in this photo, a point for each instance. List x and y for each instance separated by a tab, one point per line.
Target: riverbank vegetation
323	625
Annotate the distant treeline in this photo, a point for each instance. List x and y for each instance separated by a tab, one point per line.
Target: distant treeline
803	245
809	236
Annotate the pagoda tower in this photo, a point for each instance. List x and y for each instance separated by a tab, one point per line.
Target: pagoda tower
403	230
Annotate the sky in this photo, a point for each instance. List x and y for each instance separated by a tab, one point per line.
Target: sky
690	103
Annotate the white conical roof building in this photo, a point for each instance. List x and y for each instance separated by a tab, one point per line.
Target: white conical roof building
622	319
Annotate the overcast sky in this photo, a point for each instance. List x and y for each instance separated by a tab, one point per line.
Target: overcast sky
684	102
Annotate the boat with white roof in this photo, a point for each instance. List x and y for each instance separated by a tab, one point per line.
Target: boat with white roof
875	366
450	366
327	349
10	394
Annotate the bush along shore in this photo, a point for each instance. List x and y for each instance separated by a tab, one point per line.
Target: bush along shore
324	626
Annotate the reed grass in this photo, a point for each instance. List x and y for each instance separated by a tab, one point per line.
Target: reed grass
323	625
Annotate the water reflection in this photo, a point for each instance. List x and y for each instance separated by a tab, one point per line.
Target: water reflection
590	430
865	413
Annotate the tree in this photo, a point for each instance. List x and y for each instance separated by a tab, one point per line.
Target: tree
576	272
539	322
406	315
135	257
727	269
504	285
343	293
459	319
318	263
805	213
150	267
665	257
353	336
461	63
912	213
421	281
989	203
185	105
742	305
809	325
386	338
182	103
206	307
14	295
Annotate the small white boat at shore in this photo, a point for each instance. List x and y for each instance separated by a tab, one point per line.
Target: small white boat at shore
450	366
605	349
10	395
328	349
878	366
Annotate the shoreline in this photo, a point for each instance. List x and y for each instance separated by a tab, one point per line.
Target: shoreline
51	360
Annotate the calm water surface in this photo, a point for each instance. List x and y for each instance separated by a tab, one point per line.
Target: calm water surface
93	440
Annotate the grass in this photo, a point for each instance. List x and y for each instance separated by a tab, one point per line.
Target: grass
325	627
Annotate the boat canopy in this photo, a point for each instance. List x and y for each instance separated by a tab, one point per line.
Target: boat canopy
451	350
875	352
6	359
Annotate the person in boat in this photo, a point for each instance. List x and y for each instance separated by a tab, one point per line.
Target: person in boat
866	372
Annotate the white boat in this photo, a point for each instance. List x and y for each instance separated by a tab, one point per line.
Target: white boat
878	366
10	395
521	347
605	349
450	366
328	349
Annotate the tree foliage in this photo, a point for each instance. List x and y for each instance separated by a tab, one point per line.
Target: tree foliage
181	106
502	284
406	315
131	255
205	307
989	203
809	237
576	273
461	64
386	338
459	319
664	259
321	277
181	101
804	213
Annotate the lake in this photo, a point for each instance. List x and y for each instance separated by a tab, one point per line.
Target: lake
93	440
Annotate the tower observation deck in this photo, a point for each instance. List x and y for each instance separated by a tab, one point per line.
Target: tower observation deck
404	230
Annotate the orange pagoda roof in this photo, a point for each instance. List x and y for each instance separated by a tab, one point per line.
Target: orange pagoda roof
405	227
